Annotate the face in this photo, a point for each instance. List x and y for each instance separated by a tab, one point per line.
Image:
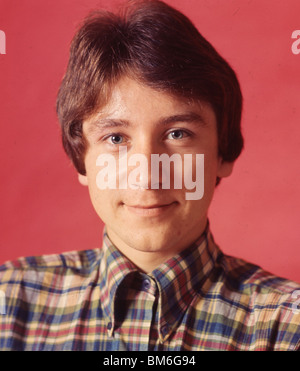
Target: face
141	220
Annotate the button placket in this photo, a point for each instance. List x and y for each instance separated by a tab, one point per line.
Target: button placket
110	328
165	330
164	333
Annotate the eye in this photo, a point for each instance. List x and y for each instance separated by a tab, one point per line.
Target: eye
177	134
116	138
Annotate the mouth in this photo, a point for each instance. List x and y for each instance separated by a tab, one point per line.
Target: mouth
150	210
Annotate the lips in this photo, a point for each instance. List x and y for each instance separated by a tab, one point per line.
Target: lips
155	206
151	209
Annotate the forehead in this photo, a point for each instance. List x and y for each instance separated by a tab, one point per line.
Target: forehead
136	103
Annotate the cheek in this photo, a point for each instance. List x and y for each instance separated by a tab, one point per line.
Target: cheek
100	198
105	203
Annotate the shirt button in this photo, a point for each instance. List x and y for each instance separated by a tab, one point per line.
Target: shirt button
146	284
109	325
164	330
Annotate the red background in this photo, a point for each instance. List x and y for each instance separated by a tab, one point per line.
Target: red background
255	214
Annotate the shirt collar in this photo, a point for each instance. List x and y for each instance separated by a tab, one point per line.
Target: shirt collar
114	267
179	280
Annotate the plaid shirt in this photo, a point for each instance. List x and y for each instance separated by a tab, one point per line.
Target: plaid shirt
98	300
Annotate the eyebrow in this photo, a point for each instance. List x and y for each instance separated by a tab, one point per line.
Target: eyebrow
190	117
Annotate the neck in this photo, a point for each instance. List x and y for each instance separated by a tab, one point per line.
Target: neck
148	253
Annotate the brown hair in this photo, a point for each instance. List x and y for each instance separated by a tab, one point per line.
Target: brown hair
160	47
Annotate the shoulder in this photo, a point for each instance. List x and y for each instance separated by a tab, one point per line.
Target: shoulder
78	260
41	272
269	302
250	278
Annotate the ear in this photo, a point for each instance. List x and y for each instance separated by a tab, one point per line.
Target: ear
83	179
224	168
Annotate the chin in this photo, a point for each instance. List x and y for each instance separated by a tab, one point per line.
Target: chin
153	243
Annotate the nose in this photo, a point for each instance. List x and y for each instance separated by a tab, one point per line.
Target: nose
140	175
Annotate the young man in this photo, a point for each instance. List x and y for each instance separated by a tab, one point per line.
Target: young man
139	85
